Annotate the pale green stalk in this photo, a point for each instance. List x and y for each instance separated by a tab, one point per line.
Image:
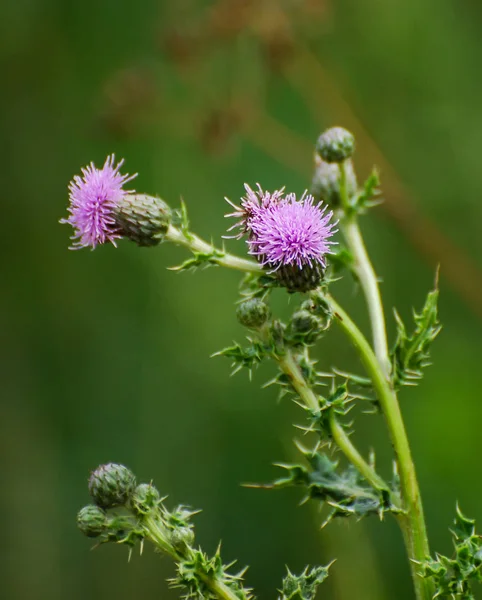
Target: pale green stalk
220	257
366	275
377	364
412	520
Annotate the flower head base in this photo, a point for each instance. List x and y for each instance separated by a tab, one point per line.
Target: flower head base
94	197
251	205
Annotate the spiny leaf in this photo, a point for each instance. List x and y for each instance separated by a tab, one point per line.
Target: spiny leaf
195	572
200	259
346	492
304	586
247	357
369	196
453	576
411	353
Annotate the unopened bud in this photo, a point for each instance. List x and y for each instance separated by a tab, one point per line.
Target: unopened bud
92	520
325	185
111	485
145	498
304	327
181	537
335	145
142	218
253	313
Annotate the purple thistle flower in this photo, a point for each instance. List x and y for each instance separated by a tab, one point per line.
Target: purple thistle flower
251	205
93	199
292	233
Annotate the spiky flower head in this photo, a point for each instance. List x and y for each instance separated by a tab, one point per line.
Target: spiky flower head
292	233
251	204
94	197
111	485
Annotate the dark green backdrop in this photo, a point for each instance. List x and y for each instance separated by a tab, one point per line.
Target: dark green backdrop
105	354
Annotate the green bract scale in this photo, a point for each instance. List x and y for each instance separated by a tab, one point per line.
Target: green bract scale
145	498
335	145
300	279
142	218
325	185
253	313
111	485
92	520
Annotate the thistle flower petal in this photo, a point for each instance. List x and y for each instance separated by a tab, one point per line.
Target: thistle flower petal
93	199
292	233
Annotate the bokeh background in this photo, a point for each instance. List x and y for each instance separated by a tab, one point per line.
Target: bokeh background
105	354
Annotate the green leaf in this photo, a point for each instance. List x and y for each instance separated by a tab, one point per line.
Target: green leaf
453	576
304	586
248	357
369	196
200	259
411	353
345	492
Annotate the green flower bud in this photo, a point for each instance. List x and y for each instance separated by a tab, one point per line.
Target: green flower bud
92	521
296	279
111	485
253	313
325	184
145	498
181	537
304	327
142	218
303	322
335	145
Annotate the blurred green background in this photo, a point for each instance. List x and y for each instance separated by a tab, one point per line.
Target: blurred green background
106	353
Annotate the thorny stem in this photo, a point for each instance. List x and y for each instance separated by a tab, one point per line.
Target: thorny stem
158	538
222	258
366	275
412	520
289	366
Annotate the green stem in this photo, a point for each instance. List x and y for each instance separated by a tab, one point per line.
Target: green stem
222	258
158	537
344	443
412	521
365	273
289	366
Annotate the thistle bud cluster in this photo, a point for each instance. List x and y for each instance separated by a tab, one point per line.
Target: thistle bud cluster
127	513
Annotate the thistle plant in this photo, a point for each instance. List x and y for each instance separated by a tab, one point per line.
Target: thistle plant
304	245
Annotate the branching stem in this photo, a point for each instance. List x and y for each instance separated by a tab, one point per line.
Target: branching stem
288	365
222	258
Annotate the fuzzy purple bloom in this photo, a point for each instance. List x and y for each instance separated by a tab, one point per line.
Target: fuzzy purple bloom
292	232
251	204
93	199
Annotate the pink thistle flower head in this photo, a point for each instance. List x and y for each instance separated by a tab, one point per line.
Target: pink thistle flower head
292	233
94	197
251	204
